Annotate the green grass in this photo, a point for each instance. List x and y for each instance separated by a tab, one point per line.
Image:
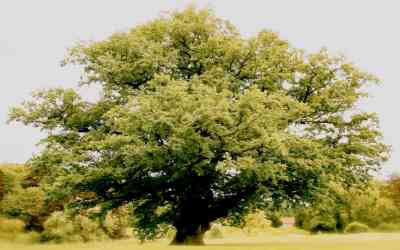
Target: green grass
364	241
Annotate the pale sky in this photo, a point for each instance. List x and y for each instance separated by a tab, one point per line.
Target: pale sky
34	36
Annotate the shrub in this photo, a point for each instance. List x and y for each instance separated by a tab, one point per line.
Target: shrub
300	219
388	227
342	220
170	232
356	227
11	225
257	220
60	228
116	223
87	229
10	228
317	219
276	220
215	232
322	224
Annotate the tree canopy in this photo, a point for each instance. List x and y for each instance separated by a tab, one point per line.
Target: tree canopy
197	123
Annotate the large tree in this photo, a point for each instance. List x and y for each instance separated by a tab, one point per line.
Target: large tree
197	123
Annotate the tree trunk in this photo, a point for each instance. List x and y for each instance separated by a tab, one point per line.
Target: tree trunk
190	234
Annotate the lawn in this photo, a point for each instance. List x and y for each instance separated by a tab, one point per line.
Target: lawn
364	241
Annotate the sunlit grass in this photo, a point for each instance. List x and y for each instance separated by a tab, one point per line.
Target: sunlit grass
365	241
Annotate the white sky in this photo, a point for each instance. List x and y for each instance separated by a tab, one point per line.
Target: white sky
34	36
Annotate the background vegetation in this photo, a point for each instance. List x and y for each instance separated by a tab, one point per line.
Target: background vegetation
25	217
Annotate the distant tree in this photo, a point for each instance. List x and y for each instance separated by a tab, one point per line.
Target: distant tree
3	188
24	203
197	123
393	189
9	177
335	210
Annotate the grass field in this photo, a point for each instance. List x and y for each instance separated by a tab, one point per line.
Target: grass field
364	241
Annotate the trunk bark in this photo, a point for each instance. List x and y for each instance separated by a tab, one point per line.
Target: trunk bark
190	235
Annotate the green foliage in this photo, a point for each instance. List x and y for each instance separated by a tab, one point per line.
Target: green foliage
200	123
356	227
